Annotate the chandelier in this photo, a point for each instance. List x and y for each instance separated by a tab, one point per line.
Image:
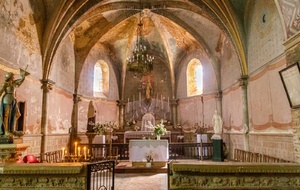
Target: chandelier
140	63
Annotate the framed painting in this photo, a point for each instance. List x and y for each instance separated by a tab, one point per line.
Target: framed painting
290	77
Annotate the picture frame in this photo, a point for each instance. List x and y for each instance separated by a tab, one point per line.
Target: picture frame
290	77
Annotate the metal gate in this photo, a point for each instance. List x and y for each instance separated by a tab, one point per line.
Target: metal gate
101	175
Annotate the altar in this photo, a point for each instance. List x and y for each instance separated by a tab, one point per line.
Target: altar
128	135
139	148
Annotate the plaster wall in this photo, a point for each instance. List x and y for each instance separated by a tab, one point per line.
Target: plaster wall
194	110
20	45
85	83
264	33
210	84
230	65
106	111
232	113
269	109
63	67
59	109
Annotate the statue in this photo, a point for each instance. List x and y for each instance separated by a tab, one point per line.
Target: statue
9	112
91	117
148	117
148	90
217	125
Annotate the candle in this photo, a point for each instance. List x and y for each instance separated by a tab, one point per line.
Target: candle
88	152
78	151
128	106
75	148
161	101
84	152
140	99
168	104
133	107
63	153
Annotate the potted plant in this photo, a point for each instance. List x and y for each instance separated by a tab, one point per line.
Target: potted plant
149	158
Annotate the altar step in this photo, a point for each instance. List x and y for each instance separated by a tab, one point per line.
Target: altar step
127	167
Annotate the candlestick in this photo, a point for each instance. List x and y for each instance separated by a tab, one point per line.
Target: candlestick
133	107
168	104
128	106
156	100
75	148
140	99
161	101
84	152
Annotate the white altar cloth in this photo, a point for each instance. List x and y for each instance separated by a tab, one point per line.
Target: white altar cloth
140	134
139	148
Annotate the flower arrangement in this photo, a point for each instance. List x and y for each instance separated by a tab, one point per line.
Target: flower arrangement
149	156
101	128
158	129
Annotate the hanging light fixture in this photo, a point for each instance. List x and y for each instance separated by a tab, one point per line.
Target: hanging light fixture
140	63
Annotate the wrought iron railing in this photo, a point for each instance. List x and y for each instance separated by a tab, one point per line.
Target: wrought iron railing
200	151
100	175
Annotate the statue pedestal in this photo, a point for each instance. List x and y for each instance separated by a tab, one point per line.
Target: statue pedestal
9	153
218	150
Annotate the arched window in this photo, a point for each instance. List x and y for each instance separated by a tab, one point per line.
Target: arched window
101	79
194	78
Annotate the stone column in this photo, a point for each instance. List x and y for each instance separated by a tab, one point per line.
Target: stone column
244	86
74	124
173	104
219	102
122	105
46	87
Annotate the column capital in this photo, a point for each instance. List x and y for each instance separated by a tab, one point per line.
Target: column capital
47	84
76	98
219	95
121	103
174	101
244	80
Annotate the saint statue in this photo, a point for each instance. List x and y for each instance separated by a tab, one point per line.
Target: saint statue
9	111
148	117
91	117
148	90
217	125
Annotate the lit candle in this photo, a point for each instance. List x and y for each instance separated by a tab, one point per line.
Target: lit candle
75	148
78	151
84	152
63	153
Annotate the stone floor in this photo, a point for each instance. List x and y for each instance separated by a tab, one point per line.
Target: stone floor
128	177
138	181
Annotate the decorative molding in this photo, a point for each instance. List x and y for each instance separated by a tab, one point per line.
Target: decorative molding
224	175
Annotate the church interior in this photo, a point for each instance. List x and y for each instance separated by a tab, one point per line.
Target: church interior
125	64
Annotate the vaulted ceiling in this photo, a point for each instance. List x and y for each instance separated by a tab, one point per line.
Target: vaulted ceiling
171	28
